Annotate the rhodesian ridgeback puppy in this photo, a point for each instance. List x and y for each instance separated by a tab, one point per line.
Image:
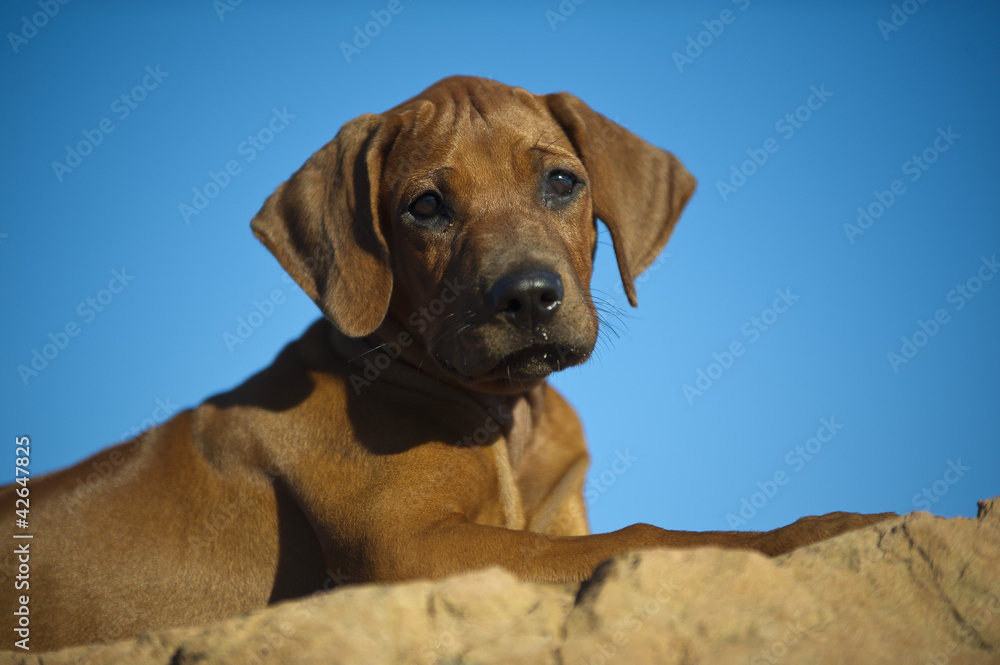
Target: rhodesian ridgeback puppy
410	433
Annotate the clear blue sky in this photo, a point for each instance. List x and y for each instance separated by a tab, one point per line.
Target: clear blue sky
792	116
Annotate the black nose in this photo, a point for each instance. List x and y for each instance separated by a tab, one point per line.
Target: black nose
527	298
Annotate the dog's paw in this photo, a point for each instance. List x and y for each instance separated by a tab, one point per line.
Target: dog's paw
815	528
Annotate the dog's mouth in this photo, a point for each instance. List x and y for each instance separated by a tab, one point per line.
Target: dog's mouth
534	362
528	364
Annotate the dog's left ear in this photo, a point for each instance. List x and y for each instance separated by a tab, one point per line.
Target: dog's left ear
638	189
323	227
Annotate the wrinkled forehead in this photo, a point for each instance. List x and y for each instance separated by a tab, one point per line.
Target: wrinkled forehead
476	122
461	101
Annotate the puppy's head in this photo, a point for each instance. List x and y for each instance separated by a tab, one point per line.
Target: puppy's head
466	216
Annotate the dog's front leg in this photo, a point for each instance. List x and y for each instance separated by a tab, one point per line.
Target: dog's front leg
435	510
458	545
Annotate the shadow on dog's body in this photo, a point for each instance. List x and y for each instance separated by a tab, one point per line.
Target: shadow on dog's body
200	518
454	233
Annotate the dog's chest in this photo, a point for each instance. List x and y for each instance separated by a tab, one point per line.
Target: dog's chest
510	454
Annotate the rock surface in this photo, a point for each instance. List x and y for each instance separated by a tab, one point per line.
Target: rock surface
916	589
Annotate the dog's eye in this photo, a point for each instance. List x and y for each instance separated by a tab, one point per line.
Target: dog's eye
560	183
426	206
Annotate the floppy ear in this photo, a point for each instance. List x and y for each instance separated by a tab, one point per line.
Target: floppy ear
638	189
323	227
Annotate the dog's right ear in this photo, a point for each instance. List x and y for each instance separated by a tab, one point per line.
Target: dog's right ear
323	227
639	190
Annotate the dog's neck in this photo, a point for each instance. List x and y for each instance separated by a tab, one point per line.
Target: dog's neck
521	412
385	356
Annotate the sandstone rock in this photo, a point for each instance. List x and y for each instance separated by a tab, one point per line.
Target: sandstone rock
916	589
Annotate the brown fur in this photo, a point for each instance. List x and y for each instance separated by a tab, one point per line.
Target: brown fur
455	456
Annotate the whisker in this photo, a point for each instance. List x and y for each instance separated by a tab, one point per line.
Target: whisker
375	348
451	333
